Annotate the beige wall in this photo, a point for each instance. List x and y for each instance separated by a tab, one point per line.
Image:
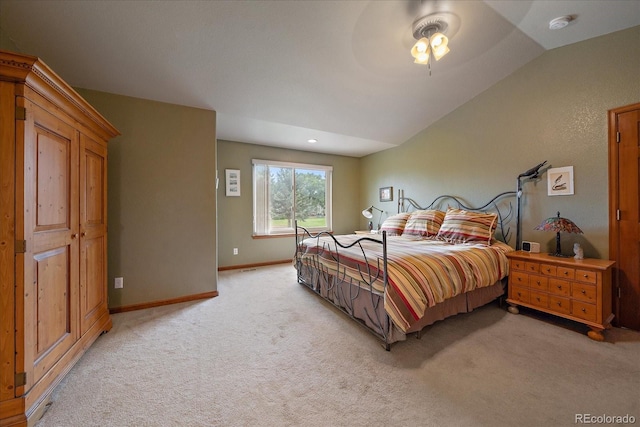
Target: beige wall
235	214
162	200
554	109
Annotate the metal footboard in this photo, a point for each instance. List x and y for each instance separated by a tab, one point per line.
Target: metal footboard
339	289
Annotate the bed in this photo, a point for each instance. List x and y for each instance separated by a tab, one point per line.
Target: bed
426	264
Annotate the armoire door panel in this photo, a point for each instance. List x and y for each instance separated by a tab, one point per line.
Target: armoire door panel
93	290
54	312
53	180
94	171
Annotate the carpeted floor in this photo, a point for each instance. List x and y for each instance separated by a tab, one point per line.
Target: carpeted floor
268	352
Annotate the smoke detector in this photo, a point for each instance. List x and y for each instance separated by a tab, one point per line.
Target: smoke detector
560	22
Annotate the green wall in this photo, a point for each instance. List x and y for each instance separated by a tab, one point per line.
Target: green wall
555	109
162	199
6	43
235	214
162	170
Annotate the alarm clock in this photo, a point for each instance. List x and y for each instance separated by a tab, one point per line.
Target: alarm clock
532	247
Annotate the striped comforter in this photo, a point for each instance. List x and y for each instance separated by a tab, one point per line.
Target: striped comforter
421	273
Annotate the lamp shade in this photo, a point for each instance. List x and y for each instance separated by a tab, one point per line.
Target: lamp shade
558	225
368	213
439	45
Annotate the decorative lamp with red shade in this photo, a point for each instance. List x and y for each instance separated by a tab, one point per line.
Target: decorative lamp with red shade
558	225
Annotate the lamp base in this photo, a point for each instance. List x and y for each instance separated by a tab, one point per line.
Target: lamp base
560	255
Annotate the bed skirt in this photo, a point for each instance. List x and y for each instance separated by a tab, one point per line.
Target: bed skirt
367	307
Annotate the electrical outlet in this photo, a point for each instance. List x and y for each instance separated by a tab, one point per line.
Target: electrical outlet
235	251
119	283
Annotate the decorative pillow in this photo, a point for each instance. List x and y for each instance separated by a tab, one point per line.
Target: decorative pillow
394	225
460	226
424	223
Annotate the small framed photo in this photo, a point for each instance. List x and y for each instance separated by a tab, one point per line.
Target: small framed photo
560	181
233	182
386	194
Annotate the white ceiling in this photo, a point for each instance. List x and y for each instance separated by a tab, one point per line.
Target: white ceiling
281	72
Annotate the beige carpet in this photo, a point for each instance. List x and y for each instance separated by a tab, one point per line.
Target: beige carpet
268	352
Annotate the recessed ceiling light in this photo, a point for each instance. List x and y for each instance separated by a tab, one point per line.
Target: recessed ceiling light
312	141
560	22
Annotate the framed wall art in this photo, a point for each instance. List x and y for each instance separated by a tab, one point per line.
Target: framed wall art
560	181
386	194
233	182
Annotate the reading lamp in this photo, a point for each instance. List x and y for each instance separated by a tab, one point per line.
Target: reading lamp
368	213
532	173
558	225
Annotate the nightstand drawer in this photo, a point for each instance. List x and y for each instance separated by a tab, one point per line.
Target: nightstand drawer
519	293
560	305
548	270
587	276
559	287
532	267
519	279
516	264
566	273
539	283
584	311
584	292
539	299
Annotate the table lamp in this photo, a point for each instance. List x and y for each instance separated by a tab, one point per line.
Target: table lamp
558	225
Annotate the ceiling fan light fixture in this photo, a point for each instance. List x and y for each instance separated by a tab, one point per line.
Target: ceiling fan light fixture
430	32
420	51
439	45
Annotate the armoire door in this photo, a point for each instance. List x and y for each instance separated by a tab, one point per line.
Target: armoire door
47	197
93	232
624	229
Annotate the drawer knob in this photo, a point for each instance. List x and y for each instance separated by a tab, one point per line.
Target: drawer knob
586	276
538	298
583	291
559	286
519	294
584	310
548	270
566	273
559	304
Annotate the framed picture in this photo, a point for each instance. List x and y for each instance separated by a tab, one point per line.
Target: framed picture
232	181
386	194
560	181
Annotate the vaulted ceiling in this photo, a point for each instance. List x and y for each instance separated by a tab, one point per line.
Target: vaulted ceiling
282	72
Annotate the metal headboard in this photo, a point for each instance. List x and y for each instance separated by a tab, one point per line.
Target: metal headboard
505	213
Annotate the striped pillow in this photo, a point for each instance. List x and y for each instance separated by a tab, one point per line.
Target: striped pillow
460	226
424	223
394	225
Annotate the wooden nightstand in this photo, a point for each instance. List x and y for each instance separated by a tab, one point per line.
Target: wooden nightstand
579	290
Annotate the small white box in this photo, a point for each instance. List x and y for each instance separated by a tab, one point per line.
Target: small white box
532	247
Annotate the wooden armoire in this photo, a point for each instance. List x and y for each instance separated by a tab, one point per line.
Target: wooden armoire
53	233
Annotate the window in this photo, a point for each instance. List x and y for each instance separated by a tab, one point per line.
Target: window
285	192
